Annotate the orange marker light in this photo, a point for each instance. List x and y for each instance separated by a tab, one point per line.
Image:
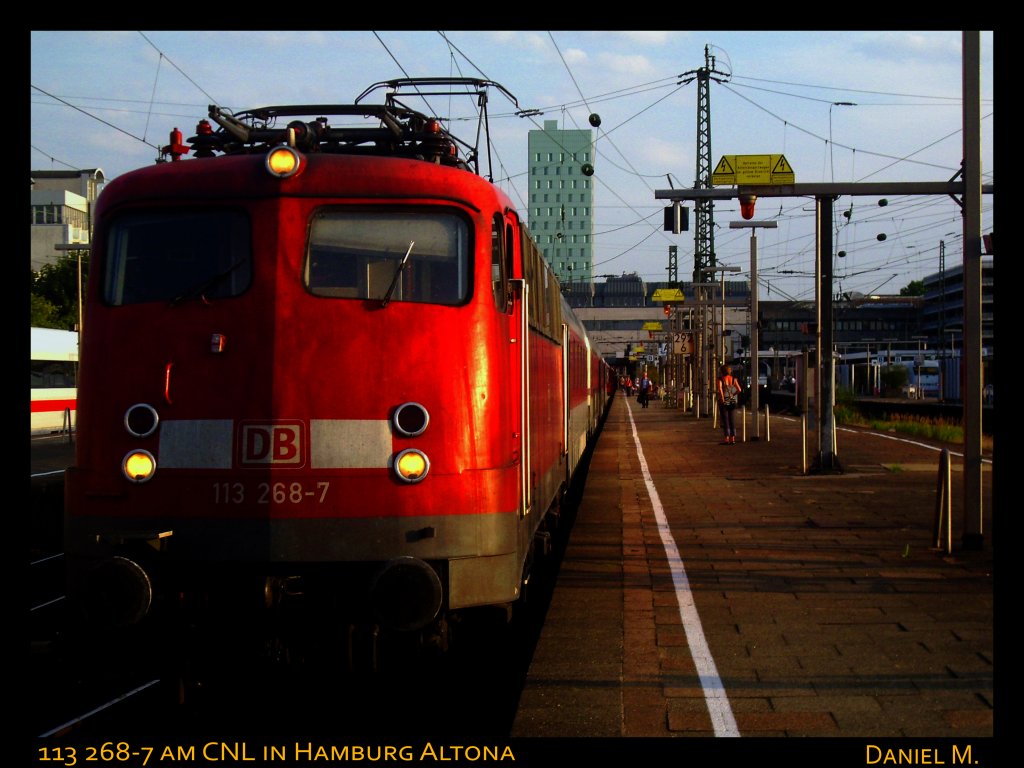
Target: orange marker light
282	162
411	465
138	466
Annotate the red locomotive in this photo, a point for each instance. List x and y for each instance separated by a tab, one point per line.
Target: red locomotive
324	370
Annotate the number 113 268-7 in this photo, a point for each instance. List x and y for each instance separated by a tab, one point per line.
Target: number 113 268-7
236	492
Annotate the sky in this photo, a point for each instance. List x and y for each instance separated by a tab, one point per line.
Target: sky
841	106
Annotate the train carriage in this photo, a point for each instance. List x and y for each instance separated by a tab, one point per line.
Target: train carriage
54	400
323	367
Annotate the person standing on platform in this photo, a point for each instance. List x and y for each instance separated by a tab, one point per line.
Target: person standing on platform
645	391
728	399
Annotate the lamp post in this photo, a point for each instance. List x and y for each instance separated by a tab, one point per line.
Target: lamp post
78	248
705	373
719	349
952	366
755	401
721	330
918	393
888	359
871	365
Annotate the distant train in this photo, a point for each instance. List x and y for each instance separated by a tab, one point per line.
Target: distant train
327	373
54	400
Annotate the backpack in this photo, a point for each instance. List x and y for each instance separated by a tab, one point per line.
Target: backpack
730	392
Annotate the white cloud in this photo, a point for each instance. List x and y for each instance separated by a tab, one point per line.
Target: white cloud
662	155
635	65
575	56
521	40
650	38
922	47
277	39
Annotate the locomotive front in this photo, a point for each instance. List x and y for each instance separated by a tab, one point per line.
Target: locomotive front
297	389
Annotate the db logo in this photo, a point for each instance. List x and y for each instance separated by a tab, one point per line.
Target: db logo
277	443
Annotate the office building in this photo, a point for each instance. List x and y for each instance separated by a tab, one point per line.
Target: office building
561	215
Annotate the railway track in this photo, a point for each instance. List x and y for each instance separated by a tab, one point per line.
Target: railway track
78	693
80	696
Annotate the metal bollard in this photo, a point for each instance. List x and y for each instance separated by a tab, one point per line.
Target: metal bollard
803	441
767	425
66	426
943	504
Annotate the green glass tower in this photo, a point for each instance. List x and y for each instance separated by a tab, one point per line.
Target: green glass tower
562	200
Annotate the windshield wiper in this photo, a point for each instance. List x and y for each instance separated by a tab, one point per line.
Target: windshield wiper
203	287
398	273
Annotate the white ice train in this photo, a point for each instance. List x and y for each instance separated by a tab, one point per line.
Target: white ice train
54	370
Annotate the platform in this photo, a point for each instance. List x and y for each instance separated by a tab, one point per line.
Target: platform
719	590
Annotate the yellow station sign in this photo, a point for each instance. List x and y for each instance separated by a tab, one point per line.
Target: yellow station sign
753	169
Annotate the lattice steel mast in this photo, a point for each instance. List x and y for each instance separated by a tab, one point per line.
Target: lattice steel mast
704	216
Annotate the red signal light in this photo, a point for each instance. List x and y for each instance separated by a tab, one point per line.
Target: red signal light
668	310
747	206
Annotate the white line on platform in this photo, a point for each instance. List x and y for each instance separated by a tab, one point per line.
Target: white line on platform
714	690
47	474
70	723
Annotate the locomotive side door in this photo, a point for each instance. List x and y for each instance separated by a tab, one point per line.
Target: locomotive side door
519	364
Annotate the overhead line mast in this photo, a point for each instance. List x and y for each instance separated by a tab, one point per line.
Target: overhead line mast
704	215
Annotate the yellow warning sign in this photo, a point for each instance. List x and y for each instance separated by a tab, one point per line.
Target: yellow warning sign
724	168
782	167
668	294
753	169
652	325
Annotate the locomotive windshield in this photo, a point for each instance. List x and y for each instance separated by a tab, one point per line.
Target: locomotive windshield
177	255
357	254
